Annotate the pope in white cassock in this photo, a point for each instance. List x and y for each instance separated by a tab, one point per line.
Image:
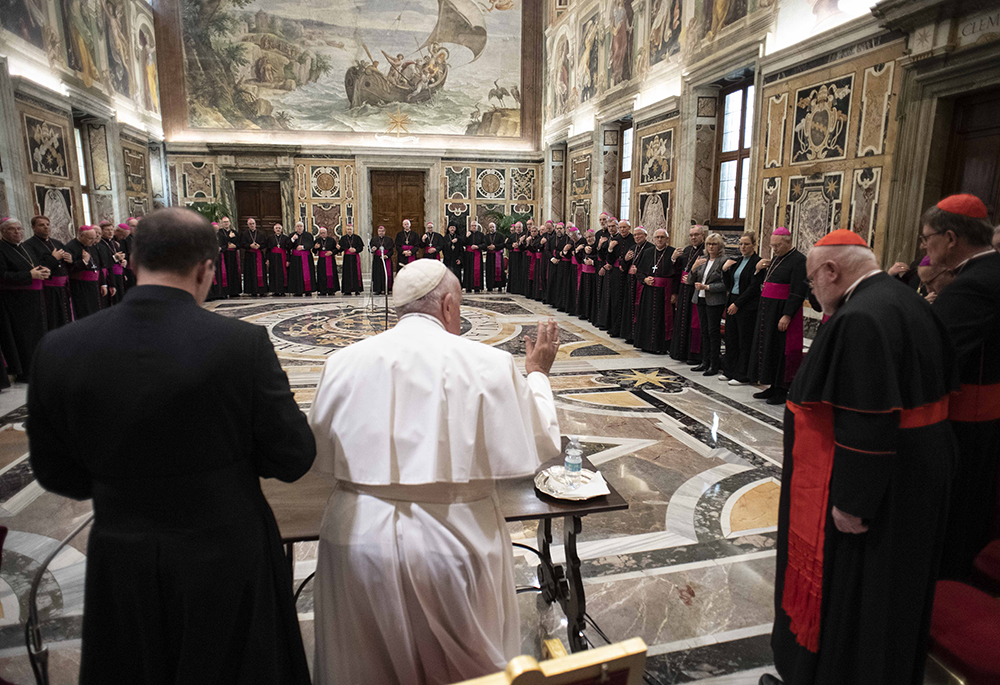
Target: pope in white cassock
415	581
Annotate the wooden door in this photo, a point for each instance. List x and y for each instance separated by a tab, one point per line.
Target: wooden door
260	200
397	195
973	164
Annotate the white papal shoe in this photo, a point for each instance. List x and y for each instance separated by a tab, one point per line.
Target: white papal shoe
736	382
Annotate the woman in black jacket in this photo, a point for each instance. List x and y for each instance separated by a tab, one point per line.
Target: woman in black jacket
743	282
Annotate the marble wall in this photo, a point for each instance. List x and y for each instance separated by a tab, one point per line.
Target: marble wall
136	170
324	192
488	191
580	182
827	137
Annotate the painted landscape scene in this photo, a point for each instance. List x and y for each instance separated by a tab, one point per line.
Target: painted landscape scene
395	67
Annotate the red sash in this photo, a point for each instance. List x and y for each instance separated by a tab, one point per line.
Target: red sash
695	325
793	334
582	269
117	269
668	309
413	254
498	265
532	258
329	269
222	268
388	271
89	276
260	266
284	266
477	265
976	403
36	284
306	263
56	282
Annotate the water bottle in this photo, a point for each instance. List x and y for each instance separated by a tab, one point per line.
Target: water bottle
573	462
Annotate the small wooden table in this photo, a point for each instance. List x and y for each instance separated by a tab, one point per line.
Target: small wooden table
298	508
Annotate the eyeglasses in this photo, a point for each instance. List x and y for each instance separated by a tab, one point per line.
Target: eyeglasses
924	237
809	277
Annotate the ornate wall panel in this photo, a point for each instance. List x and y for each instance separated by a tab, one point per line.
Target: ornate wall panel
457	182
874	118
813	207
654	210
558	185
488	190
822	121
324	188
770	202
656	157
653	179
864	202
774	132
97	139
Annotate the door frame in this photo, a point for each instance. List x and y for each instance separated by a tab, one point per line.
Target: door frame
227	188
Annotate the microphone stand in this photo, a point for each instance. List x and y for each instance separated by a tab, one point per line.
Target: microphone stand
38	653
385	284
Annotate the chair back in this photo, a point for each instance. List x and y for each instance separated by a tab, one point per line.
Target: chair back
622	663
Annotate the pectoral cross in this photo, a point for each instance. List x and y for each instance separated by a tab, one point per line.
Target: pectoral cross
655	267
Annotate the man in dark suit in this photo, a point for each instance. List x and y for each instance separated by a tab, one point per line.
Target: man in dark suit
743	282
186	580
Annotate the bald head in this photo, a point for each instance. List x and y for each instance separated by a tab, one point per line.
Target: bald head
835	268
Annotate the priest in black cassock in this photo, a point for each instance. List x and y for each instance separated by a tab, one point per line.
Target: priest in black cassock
85	286
381	248
518	256
454	251
533	250
619	277
123	235
276	253
352	246
116	267
609	258
186	579
326	248
685	345
49	252
496	276
957	236
229	242
602	236
301	270
407	245
777	345
472	265
432	242
553	256
22	302
654	315
586	284
529	230
105	258
632	279
254	272
541	254
867	469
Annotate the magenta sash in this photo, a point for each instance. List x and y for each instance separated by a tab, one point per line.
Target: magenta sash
388	272
56	282
284	266
477	265
36	284
584	269
794	332
328	259
225	277
306	263
260	266
413	253
89	276
357	264
668	309
498	265
532	258
695	327
117	269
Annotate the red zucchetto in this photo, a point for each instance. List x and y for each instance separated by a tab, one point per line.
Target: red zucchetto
964	204
841	236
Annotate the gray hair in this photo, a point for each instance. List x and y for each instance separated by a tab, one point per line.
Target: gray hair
850	258
430	303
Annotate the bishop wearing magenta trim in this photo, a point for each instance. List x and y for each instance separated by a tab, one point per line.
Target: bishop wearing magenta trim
654	312
84	273
326	249
276	251
381	249
251	242
493	249
433	243
685	345
777	345
472	264
868	463
22	302
229	244
407	244
352	246
301	270
51	254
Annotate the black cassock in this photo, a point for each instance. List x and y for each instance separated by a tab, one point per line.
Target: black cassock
381	249
327	279
611	288
541	275
586	285
128	246
600	281
618	283
685	343
254	269
231	256
533	249
410	241
496	275
866	432
84	280
23	308
100	252
970	309
553	274
58	307
631	284
186	579
433	244
276	256
301	269
775	356
472	262
454	253
517	257
115	274
654	315
353	283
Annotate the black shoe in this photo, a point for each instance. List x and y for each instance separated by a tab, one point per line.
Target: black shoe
692	362
701	367
768	679
778	398
712	370
765	394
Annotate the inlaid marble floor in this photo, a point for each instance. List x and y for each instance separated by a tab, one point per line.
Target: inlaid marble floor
689	567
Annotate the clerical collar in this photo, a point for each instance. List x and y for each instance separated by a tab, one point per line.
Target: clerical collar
853	287
975	256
